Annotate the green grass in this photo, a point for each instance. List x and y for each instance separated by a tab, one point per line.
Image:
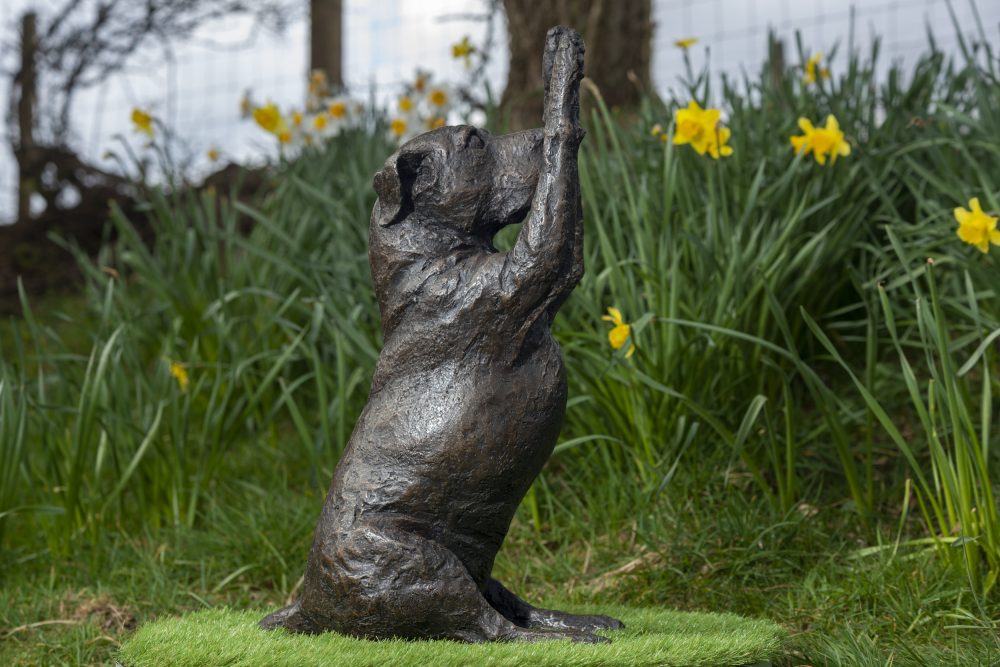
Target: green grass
805	573
651	637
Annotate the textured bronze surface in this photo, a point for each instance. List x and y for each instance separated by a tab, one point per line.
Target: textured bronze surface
469	392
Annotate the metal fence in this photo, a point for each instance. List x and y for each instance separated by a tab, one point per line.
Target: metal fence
195	89
736	31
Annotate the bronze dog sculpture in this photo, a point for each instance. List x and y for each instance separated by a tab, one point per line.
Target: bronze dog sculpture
469	393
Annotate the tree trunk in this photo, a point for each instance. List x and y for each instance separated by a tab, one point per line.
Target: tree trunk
618	35
326	39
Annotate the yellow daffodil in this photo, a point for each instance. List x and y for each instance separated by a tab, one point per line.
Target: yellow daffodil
719	147
143	122
813	71
699	127
320	122
270	119
438	97
318	84
297	118
822	142
338	109
435	122
406	104
212	154
620	333
976	227
398	127
686	43
180	374
463	49
285	137
695	126
420	83
658	132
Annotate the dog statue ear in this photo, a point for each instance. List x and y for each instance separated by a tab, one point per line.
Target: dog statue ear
394	186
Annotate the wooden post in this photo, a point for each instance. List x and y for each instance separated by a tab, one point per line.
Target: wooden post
28	80
326	39
776	56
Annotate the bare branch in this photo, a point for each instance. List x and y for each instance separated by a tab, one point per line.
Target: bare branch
85	41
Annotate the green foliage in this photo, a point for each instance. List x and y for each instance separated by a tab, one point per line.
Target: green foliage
13	418
955	489
713	260
271	329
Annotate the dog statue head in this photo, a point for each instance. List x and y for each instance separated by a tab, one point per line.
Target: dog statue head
461	177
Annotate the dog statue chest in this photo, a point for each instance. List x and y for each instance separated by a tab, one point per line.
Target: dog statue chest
462	394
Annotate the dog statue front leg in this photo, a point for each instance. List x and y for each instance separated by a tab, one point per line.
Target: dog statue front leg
546	260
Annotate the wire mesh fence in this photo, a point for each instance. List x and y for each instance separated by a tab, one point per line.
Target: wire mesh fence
195	87
737	32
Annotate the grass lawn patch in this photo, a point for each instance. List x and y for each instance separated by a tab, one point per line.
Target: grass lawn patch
651	637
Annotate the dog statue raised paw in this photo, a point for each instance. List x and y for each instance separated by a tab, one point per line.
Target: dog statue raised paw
469	392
